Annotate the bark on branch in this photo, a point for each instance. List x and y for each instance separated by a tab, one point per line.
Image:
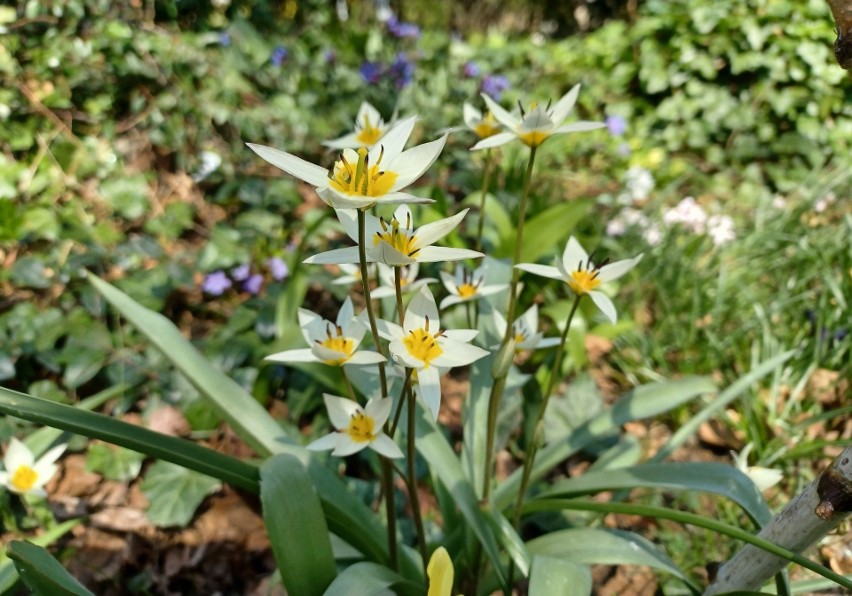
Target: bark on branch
842	11
815	512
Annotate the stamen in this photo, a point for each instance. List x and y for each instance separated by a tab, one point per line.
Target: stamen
520	107
427	322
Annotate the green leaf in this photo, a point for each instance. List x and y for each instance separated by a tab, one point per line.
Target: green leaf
594	546
247	417
8	573
296	526
553	575
548	229
41	572
174	493
644	401
115	463
369	579
445	465
709	477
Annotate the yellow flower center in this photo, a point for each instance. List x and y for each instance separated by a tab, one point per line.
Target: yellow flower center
360	428
369	134
520	337
401	239
422	345
584	281
467	290
361	178
487	126
338	343
533	138
24	478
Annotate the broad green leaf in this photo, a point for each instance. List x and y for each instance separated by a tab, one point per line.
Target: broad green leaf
554	575
174	493
41	572
710	477
114	463
445	465
551	228
369	579
721	402
296	526
643	402
8	573
594	546
247	417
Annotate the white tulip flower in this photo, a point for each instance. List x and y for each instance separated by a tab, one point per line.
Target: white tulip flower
465	286
525	331
25	475
357	427
369	129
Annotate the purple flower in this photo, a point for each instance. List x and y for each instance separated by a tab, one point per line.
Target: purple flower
372	72
401	71
216	283
471	70
330	56
277	268
279	55
252	284
494	85
402	30
616	125
225	38
241	273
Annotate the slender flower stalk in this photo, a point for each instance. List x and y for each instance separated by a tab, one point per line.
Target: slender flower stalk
486	179
387	471
500	381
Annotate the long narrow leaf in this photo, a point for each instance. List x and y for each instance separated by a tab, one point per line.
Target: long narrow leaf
42	573
8	573
643	402
296	526
247	417
697	476
368	579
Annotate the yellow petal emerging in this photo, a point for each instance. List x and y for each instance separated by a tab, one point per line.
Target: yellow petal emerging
440	571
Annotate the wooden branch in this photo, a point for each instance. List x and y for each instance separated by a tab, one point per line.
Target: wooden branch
815	512
842	11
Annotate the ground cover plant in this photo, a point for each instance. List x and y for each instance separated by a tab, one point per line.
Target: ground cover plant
642	265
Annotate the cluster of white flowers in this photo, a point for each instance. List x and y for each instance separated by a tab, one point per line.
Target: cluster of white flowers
720	228
638	184
687	213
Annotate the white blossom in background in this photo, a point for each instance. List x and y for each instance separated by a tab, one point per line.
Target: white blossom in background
652	235
720	228
638	184
779	202
357	428
484	126
525	331
210	162
625	220
466	285
351	274
763	478
23	474
823	203
369	129
408	280
687	213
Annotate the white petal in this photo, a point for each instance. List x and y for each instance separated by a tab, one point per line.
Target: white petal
764	478
347	141
471	115
500	324
421	307
565	104
605	304
44	472
393	142
501	138
574	255
429	380
340	410
313	325
617	269
434	254
452	299
17	455
384	445
457	353
295	166
548	342
432	232
348	218
396	198
581	126
383	292
338	256
327	355
491	290
462	335
401	355
367	114
411	164
387	330
502	116
362	357
543	270
537	121
325	443
449	282
301	355
529	319
379	410
339	200
389	255
346	446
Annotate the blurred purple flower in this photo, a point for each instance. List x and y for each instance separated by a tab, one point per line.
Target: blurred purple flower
252	284
402	30
471	70
225	38
216	283
616	125
494	85
401	71
278	269
372	72
279	55
330	56
241	273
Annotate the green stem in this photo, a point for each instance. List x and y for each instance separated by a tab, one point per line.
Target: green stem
346	382
387	471
499	385
693	520
486	179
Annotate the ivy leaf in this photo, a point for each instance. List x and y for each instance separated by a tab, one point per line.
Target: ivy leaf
174	493
115	463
